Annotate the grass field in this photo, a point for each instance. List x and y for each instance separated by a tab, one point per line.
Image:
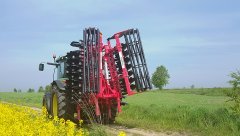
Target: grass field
196	111
183	111
28	99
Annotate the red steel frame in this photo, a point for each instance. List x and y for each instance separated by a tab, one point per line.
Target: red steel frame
109	88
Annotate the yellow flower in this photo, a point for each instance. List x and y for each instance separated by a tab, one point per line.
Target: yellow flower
80	122
17	120
122	133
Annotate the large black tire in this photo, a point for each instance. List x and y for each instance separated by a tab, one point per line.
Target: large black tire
60	105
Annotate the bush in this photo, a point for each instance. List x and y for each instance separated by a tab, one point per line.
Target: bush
15	90
40	89
30	90
48	88
235	92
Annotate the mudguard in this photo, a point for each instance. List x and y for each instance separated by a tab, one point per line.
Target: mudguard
60	84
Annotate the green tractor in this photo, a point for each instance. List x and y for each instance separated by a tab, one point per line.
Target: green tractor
56	101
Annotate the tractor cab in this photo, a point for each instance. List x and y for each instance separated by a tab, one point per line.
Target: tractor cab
61	72
60	65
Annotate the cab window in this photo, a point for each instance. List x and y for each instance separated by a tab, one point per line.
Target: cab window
61	70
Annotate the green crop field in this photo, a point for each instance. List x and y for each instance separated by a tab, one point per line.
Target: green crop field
196	111
27	99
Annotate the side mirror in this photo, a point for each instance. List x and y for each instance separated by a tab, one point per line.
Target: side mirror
41	67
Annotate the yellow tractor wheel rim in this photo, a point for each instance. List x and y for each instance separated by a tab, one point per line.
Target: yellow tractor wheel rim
55	105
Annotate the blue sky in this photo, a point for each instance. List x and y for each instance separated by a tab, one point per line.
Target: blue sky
198	41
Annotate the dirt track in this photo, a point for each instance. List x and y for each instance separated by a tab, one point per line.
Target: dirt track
114	129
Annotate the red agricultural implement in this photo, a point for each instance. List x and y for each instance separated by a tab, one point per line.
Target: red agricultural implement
93	79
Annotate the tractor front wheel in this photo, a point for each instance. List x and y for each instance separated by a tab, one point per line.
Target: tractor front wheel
47	102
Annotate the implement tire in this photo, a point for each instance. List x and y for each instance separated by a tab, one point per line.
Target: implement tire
105	117
114	111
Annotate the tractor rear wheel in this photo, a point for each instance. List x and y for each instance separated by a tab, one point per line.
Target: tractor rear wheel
60	105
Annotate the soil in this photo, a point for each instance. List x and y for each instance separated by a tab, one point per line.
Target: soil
115	129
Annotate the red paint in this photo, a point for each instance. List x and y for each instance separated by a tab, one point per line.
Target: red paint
109	89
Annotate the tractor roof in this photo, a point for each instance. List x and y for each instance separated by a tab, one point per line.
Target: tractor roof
61	58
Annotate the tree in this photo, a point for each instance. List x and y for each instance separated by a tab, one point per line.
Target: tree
19	90
15	90
48	88
40	89
192	86
235	92
30	90
160	77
